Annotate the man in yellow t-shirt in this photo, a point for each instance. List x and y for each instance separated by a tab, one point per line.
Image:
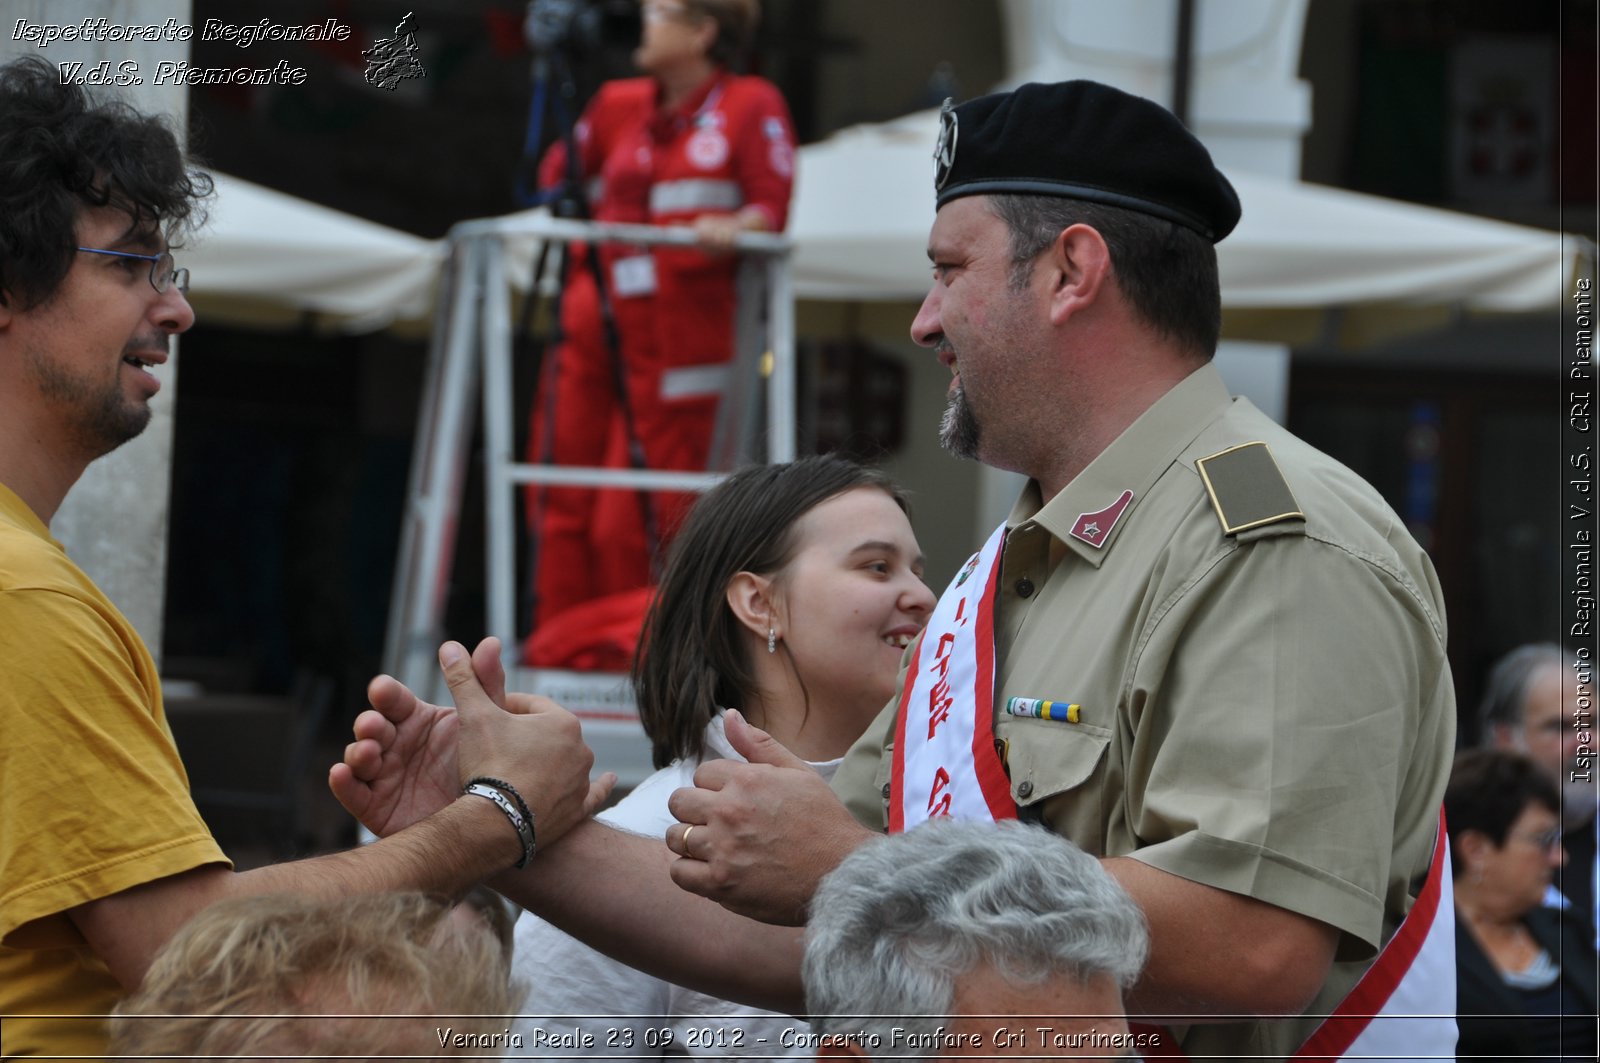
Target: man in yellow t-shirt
93	798
102	854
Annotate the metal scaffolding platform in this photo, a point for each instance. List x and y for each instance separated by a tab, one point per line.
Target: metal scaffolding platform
471	350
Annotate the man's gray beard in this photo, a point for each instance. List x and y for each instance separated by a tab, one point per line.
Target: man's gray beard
958	428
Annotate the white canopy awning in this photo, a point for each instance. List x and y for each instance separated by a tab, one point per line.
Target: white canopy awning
864	202
267	257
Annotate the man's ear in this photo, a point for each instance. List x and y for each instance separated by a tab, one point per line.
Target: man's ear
1080	267
750	598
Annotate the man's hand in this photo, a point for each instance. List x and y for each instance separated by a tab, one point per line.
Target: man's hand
410	758
534	744
761	835
401	768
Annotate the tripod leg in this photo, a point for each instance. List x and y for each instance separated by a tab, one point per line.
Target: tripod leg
541	422
630	430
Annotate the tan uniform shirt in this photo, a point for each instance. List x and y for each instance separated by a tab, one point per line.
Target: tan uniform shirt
1268	712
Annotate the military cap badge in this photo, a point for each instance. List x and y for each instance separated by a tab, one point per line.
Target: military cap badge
944	152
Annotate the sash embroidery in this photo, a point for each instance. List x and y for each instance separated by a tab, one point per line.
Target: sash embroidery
945	762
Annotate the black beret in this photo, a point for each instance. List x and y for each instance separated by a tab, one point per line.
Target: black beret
1083	140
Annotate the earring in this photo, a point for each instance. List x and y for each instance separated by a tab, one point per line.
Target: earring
772	640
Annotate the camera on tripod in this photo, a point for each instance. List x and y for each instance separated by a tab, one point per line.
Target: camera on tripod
581	27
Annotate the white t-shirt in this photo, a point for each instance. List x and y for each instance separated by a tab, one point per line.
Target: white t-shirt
583	1003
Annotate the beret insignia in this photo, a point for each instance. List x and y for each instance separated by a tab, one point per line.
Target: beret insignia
944	152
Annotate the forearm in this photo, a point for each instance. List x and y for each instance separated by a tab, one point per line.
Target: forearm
1219	953
611	890
447	853
463	843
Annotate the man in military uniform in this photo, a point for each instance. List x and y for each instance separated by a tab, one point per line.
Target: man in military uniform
1198	648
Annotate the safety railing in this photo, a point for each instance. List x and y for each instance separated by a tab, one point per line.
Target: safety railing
471	350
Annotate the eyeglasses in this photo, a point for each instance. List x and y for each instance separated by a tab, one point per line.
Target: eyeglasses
164	271
1545	840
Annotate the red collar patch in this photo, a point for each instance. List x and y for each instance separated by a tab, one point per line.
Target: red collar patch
1094	528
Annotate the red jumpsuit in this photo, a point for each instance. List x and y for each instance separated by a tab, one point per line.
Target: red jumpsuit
728	148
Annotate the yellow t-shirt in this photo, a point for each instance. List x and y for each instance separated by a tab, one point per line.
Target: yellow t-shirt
93	797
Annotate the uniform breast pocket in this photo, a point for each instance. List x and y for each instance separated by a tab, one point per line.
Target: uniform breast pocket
1059	774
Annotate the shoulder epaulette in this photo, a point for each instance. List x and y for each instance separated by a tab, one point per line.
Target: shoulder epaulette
1247	489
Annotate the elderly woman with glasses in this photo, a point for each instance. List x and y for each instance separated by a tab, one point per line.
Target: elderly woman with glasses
1525	974
690	144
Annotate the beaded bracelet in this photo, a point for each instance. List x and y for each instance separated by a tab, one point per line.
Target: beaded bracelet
523	825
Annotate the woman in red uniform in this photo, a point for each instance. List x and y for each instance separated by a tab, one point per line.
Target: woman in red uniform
688	144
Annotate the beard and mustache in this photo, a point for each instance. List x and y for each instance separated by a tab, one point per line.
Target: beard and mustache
106	418
958	428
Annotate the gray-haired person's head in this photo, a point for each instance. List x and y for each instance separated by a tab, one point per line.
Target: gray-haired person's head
1505	691
903	918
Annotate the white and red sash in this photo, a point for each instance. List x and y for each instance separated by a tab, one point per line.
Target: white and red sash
1403	1008
945	764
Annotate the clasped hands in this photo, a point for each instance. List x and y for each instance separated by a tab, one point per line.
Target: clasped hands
410	758
764	833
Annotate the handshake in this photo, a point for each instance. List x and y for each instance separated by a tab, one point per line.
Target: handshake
410	759
525	755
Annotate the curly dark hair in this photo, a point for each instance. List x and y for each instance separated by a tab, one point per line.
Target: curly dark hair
62	151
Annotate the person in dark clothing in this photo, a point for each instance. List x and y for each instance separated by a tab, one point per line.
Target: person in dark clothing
1525	974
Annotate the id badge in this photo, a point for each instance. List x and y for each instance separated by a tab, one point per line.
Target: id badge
634	276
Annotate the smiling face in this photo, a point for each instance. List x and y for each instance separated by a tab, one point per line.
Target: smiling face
851	599
85	352
983	330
